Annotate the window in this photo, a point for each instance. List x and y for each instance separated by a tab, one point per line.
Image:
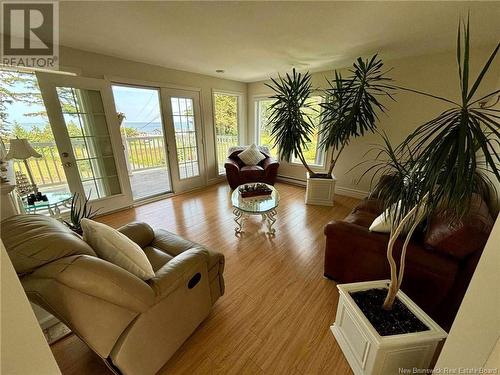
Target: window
262	112
226	114
314	154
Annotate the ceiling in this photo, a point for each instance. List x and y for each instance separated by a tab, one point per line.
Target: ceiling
251	41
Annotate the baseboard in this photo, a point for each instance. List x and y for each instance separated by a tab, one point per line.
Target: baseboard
292	181
340	190
349	192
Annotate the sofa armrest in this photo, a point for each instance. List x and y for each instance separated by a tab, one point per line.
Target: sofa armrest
353	253
94	298
93	277
270	165
141	233
179	271
231	165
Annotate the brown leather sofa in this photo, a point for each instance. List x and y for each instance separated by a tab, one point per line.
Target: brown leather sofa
133	325
439	262
237	173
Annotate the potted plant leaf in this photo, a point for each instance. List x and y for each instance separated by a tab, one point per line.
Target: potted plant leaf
80	209
349	110
436	170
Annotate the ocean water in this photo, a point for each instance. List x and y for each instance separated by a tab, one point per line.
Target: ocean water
153	128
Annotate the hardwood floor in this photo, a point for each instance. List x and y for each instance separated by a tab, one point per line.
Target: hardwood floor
278	308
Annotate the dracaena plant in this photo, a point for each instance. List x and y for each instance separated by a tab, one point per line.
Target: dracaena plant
349	110
439	167
80	209
291	115
351	105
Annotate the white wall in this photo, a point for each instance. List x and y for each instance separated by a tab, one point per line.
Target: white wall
97	66
476	330
23	349
436	74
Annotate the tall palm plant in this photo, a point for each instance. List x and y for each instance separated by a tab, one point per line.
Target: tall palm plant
349	110
351	105
439	166
291	115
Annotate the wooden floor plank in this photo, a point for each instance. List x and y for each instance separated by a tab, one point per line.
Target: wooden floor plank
277	310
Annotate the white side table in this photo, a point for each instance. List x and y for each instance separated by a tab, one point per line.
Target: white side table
8	205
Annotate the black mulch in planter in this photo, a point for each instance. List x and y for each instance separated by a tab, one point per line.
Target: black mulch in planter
398	321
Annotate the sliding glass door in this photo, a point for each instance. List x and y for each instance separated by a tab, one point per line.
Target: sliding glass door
82	115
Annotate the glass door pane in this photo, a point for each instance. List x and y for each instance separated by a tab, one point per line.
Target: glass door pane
185	137
86	124
226	113
143	140
24	116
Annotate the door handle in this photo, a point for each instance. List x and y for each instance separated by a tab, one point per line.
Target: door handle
64	154
67	164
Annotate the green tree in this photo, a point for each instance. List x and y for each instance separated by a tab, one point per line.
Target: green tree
226	114
17	87
22	87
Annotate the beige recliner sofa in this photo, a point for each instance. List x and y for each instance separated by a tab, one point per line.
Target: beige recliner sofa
133	325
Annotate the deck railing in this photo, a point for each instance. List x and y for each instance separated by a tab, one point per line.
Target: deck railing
145	152
142	152
223	142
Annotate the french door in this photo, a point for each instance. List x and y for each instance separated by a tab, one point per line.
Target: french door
184	137
85	125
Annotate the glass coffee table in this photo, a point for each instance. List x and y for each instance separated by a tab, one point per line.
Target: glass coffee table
52	206
264	205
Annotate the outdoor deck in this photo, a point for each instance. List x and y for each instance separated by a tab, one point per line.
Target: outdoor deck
144	183
150	182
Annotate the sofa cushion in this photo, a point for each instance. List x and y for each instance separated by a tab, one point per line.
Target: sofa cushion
462	238
252	172
251	155
157	257
35	240
115	247
249	168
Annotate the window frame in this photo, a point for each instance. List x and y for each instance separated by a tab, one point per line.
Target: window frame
239	115
257	100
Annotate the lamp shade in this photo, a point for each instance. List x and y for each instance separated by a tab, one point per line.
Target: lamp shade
20	149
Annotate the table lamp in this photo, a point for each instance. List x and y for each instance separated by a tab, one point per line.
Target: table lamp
20	149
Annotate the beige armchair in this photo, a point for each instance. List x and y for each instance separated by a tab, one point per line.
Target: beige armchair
133	325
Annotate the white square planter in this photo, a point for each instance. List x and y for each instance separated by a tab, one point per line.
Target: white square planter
320	191
367	352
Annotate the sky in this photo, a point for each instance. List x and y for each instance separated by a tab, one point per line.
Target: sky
138	104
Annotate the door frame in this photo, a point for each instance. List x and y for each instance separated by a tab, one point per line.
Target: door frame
48	82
